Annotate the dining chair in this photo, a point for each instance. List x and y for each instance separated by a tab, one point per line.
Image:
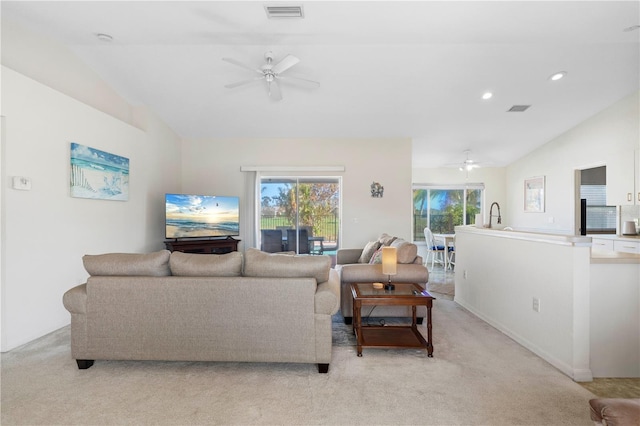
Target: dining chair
452	254
271	240
435	250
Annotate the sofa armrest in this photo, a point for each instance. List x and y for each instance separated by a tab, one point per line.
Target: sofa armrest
346	256
327	298
615	411
75	299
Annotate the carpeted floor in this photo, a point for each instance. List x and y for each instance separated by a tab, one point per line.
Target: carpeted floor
477	376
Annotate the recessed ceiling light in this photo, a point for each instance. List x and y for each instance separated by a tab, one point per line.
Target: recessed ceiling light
557	76
487	95
104	37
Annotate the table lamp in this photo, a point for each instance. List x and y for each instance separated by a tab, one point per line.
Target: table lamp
389	265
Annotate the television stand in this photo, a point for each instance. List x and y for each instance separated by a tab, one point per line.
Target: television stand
211	246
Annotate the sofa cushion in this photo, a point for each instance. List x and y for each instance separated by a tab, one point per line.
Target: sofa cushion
376	258
368	251
273	265
386	239
154	264
407	251
206	265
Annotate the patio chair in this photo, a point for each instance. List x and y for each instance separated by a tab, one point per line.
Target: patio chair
271	240
301	243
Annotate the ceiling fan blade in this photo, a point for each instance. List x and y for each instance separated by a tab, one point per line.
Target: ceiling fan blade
274	91
243	82
240	64
285	64
303	81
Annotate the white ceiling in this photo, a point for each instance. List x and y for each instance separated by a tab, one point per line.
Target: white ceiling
387	68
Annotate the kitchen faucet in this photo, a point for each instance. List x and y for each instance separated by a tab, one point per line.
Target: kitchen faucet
491	214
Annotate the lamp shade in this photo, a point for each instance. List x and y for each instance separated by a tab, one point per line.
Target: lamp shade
389	260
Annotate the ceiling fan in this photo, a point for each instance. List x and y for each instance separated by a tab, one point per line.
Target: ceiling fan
271	73
468	164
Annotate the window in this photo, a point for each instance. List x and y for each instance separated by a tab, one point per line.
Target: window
293	204
601	219
442	208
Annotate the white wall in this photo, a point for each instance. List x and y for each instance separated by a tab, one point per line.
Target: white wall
498	273
608	138
45	231
212	166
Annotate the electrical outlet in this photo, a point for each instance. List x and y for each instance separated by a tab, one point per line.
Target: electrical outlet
536	304
464	274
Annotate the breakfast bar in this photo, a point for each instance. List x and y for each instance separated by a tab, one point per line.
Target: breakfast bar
551	294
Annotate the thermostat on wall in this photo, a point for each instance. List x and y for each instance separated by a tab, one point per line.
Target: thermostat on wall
22	183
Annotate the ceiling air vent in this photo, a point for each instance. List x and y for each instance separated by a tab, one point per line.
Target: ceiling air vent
519	108
284	12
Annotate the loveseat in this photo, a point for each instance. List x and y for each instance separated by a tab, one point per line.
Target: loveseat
364	265
177	306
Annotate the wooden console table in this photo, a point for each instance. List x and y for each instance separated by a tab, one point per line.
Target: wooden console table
213	246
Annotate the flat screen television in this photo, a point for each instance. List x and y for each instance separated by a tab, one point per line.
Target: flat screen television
201	216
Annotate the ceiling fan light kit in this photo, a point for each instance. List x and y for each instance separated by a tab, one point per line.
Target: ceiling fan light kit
271	73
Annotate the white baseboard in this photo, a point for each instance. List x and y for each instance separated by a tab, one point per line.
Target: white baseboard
579	375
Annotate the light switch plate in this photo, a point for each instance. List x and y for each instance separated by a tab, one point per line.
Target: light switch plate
21	183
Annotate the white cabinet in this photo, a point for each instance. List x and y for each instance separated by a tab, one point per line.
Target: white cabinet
621	180
602	244
626	246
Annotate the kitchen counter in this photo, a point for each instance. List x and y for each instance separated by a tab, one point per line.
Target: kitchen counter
597	255
606	256
556	239
616	237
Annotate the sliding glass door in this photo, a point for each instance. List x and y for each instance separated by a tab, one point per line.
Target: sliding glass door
306	211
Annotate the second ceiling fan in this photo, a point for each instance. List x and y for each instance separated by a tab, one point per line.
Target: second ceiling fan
271	73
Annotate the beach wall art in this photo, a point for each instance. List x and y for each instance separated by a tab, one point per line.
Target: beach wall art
99	175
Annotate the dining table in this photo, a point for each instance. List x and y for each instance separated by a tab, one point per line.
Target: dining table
449	244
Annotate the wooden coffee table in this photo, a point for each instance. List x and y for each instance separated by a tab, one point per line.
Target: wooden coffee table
391	336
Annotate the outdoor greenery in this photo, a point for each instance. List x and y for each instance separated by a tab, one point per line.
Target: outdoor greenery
443	209
310	204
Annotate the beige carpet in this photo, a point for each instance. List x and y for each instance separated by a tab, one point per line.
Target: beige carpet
477	376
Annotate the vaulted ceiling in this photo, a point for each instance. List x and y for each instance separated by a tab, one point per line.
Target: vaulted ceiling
414	69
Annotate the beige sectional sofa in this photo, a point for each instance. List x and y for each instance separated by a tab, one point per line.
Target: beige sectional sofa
201	307
356	265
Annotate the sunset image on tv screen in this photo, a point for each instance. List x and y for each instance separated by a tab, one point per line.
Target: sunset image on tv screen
201	216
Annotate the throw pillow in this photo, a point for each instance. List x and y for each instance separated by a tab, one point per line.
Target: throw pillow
386	239
368	251
377	257
128	264
206	265
273	265
407	251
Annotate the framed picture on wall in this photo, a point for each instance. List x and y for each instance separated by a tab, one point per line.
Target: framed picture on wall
534	194
98	175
